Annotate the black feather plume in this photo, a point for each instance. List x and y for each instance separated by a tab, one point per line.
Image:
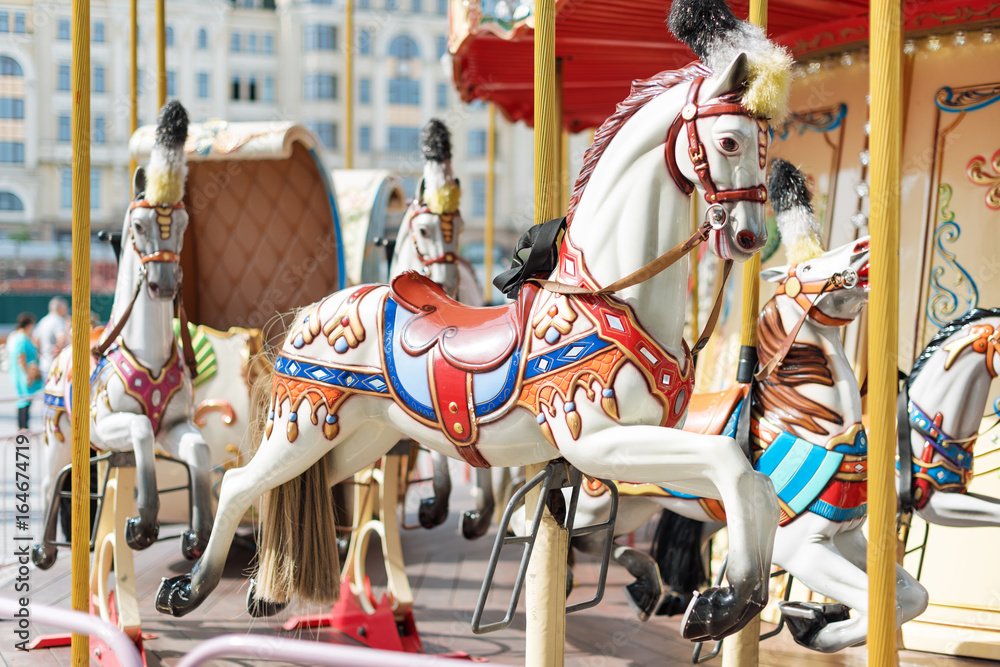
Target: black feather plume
698	23
786	187
435	140
172	125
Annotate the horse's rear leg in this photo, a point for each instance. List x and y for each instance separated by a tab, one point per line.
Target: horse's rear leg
962	510
434	510
185	442
476	523
123	431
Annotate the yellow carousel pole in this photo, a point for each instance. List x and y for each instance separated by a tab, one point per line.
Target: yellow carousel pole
743	648
545	594
81	323
133	78
161	54
883	333
349	84
491	154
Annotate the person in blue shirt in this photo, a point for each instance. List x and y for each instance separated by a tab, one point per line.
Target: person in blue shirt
24	370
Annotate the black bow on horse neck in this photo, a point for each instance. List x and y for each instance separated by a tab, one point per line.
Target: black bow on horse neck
536	254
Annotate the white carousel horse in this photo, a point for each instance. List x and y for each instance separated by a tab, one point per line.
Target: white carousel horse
141	392
806	417
945	396
573	375
427	243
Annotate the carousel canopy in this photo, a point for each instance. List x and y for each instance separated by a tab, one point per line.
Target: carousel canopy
606	44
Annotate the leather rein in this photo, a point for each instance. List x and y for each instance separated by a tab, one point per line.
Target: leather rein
161	256
716	216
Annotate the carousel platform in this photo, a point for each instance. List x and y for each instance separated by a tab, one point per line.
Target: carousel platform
445	572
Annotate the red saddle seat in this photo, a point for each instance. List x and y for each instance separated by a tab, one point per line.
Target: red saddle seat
708	413
470	338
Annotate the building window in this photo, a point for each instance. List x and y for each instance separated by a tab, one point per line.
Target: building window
320	87
20	25
170	35
11	108
234	42
268	89
442	46
66	188
4	22
364	4
320	38
202	38
477	143
63	134
365	139
252	89
10	202
404	139
236	88
63	78
268	43
442	96
404	91
365	42
98	82
10	67
11	152
365	91
203	86
417	6
62	30
99	124
95	189
99	32
479	197
442	7
403	47
171	84
327	133
392	5
252	42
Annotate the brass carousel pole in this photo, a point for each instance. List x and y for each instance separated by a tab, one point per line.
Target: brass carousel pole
545	594
133	78
161	54
81	323
883	332
743	648
491	154
349	84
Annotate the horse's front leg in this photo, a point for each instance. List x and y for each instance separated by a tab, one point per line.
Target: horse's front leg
122	431
434	510
708	466
961	510
476	523
185	442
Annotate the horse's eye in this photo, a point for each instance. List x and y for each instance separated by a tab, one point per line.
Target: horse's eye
424	232
139	228
729	145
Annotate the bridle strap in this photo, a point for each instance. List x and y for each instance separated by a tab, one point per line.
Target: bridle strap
190	359
101	348
713	317
446	258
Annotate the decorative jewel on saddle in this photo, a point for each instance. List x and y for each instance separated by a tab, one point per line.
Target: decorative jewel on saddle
555	321
344	331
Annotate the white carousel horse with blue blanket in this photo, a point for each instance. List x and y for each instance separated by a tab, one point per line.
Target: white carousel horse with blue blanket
427	243
807	437
368	366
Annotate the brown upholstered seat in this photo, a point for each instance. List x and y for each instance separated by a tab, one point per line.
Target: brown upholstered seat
708	413
472	339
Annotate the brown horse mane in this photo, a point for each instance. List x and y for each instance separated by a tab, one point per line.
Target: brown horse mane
643	91
777	396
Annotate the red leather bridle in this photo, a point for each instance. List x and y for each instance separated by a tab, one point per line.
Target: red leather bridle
163	211
687	119
447	230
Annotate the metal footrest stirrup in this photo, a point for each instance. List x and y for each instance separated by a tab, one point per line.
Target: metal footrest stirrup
556	476
698	658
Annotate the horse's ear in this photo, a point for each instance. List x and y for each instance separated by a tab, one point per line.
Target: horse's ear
138	182
774	274
732	78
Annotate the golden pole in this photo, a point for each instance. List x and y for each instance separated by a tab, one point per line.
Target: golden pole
545	594
133	78
491	154
566	188
80	552
557	139
349	84
883	333
161	54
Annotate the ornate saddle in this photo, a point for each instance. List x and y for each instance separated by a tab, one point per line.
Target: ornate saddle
709	414
471	339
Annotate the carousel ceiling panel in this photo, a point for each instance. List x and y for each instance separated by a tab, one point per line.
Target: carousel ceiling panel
606	44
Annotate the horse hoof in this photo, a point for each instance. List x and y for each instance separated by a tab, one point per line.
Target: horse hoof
718	613
259	608
673	604
475	524
192	546
432	513
43	557
140	536
806	619
343	546
174	596
569	581
642	599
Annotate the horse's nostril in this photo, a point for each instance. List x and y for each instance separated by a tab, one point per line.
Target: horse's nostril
747	240
154	288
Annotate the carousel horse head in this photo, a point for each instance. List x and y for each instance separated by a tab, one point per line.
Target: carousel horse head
435	223
156	219
832	286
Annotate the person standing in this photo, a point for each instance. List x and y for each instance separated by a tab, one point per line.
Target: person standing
52	333
24	368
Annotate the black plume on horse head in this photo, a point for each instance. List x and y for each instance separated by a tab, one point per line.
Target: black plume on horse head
701	23
435	140
787	188
172	125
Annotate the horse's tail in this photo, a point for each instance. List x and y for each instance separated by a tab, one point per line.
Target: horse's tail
677	551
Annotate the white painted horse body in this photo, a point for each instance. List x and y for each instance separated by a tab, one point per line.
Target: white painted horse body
820	543
627	211
428	242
